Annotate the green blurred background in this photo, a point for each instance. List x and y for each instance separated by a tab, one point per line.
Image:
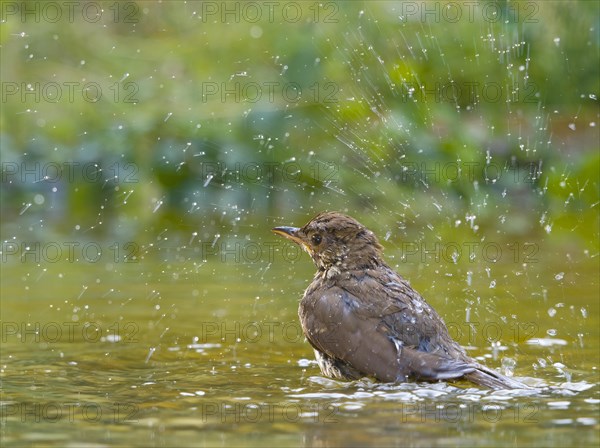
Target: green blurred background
227	117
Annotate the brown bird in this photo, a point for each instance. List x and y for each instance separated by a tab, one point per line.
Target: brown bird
364	319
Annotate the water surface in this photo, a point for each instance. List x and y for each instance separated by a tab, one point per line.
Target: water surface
173	351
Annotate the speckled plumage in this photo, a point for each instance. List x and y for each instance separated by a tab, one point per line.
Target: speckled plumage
364	319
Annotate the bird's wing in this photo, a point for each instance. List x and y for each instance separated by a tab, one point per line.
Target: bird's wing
408	317
335	324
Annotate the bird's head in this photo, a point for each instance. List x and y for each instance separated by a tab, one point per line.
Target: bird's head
334	240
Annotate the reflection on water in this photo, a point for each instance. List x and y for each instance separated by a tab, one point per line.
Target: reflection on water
180	353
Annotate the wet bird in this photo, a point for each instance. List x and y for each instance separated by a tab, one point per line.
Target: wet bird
365	320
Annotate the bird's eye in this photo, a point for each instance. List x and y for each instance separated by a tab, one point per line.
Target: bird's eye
316	239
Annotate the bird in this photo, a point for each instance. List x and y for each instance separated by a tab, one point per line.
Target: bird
363	319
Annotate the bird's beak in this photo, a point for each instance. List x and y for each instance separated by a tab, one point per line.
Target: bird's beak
291	233
288	232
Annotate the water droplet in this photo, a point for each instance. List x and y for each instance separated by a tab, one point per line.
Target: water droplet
256	32
508	365
542	362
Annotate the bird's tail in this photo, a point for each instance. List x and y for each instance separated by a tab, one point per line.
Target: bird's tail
487	377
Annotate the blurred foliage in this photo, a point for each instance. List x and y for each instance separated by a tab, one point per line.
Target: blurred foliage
182	115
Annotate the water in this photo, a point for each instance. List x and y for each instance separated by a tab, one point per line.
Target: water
450	128
171	351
